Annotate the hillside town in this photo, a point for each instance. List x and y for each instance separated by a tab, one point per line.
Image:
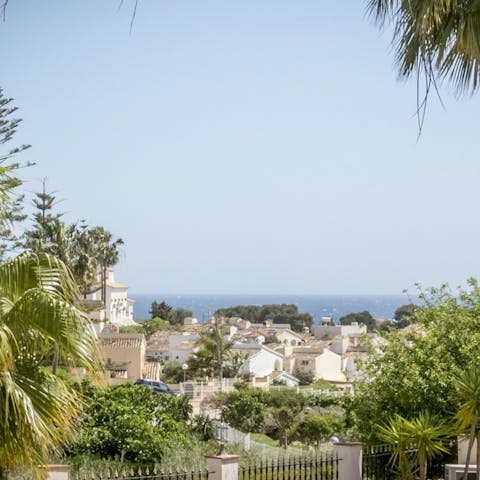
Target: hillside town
271	353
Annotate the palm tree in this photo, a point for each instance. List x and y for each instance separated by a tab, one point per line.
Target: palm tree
440	40
468	415
106	252
38	410
423	437
216	346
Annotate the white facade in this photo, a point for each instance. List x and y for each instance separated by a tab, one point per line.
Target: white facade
118	307
180	347
262	361
330	331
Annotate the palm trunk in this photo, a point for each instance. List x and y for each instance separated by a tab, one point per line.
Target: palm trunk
478	456
423	467
55	360
471	439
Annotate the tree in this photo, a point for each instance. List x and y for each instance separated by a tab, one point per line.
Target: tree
10	202
405	315
41	238
174	316
133	423
178	315
364	318
160	310
275	313
468	415
425	433
106	252
214	348
304	377
280	423
244	410
173	372
415	367
36	313
439	40
318	428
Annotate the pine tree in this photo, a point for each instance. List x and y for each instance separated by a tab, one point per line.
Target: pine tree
11	204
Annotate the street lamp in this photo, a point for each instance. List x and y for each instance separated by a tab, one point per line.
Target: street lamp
221	429
184	368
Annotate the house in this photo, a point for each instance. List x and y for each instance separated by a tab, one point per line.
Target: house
328	330
181	346
261	360
284	377
286	336
118	308
157	349
319	361
124	356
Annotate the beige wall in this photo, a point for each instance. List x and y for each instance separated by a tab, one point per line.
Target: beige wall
125	350
329	366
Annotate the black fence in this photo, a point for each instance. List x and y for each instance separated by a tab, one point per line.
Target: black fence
303	468
137	473
376	462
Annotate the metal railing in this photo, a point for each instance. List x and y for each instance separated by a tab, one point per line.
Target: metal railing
301	468
137	473
376	463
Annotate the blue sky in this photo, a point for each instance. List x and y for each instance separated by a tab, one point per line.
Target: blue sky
244	147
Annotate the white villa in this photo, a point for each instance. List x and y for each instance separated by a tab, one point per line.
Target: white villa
119	308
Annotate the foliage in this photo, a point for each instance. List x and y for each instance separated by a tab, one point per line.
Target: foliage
133	423
160	310
322	384
281	313
280	423
304	377
467	384
284	398
178	315
131	329
234	363
201	426
10	202
85	251
147	327
415	367
425	435
364	318
37	315
405	315
174	316
173	372
318	428
213	353
437	39
244	410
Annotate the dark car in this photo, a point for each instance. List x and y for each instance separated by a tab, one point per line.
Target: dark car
157	386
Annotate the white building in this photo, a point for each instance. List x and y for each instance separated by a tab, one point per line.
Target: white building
261	361
181	346
118	307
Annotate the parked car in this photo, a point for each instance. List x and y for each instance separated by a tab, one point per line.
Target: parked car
156	385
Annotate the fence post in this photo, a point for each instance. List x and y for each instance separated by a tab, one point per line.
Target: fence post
462	448
349	460
223	467
58	472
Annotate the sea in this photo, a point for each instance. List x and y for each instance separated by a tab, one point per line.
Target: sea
335	306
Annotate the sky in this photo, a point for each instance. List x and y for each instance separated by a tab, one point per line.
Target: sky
254	146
